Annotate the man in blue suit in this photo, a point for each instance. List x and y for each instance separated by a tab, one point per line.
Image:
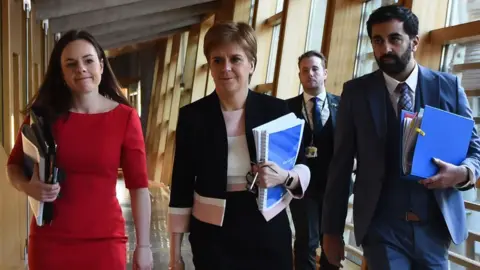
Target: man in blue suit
400	224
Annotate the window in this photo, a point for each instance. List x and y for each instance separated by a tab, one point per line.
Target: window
272	59
316	25
463	11
365	61
463	60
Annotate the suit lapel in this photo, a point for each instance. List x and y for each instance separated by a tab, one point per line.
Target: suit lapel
253	118
429	87
332	106
217	129
376	97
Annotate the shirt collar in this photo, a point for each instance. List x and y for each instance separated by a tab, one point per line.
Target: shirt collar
307	97
411	81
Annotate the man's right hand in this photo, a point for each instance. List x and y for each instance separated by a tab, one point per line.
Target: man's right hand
40	191
334	249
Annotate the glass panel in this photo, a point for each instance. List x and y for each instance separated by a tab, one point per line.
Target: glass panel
365	61
316	25
273	54
455	56
252	8
279	6
463	11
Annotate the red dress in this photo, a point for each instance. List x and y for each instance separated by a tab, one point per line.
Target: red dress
88	229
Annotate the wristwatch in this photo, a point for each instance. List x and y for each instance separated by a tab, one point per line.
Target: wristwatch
288	182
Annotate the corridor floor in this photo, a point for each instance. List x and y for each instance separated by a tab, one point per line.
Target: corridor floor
159	236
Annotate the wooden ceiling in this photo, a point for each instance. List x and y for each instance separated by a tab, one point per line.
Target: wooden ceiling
120	24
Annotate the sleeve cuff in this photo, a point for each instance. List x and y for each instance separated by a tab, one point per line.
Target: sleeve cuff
303	173
470	181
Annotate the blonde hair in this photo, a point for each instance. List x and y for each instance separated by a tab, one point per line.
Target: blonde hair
231	32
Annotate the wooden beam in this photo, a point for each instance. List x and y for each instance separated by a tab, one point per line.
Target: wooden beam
473	93
153	106
190	63
467	66
233	10
201	66
264	32
292	41
172	123
112	53
461	33
275	19
157	127
342	43
264	88
167	108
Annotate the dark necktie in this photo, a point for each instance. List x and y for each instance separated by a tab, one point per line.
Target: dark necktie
405	101
316	115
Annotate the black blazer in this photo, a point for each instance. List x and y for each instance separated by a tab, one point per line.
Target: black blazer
295	105
201	154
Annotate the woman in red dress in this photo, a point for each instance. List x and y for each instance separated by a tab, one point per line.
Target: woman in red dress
96	132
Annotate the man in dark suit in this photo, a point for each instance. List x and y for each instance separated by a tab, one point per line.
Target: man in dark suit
400	224
319	109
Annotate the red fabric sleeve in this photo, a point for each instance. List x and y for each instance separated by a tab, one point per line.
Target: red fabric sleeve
133	159
16	156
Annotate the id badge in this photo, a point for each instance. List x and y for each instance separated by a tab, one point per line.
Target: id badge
311	152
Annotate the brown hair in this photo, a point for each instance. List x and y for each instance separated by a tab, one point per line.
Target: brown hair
231	32
54	98
313	54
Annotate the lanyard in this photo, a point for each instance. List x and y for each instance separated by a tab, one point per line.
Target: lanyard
307	118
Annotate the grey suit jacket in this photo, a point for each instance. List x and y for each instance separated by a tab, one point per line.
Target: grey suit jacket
361	131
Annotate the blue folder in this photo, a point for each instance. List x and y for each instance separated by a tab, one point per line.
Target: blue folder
446	136
278	141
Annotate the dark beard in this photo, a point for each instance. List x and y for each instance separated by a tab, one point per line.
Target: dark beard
399	63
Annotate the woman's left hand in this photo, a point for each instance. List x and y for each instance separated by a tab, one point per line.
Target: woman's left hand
270	174
142	258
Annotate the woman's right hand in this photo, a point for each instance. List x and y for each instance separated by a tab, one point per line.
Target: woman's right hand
40	191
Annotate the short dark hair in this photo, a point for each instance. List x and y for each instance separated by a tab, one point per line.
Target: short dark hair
313	53
394	12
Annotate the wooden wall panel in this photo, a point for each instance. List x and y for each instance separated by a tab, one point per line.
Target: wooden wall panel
12	203
343	43
429	54
292	41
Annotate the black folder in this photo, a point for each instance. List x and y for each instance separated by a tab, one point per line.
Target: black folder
40	147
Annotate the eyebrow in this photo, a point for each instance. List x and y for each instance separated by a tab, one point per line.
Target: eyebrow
85	56
395	34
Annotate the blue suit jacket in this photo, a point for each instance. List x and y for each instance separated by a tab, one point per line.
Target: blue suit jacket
361	131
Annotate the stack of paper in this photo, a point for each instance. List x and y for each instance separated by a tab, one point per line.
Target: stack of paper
411	130
433	133
277	141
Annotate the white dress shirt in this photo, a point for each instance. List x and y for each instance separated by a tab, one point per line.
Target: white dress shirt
322	105
392	84
412	81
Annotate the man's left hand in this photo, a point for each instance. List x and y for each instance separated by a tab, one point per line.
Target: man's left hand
448	176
